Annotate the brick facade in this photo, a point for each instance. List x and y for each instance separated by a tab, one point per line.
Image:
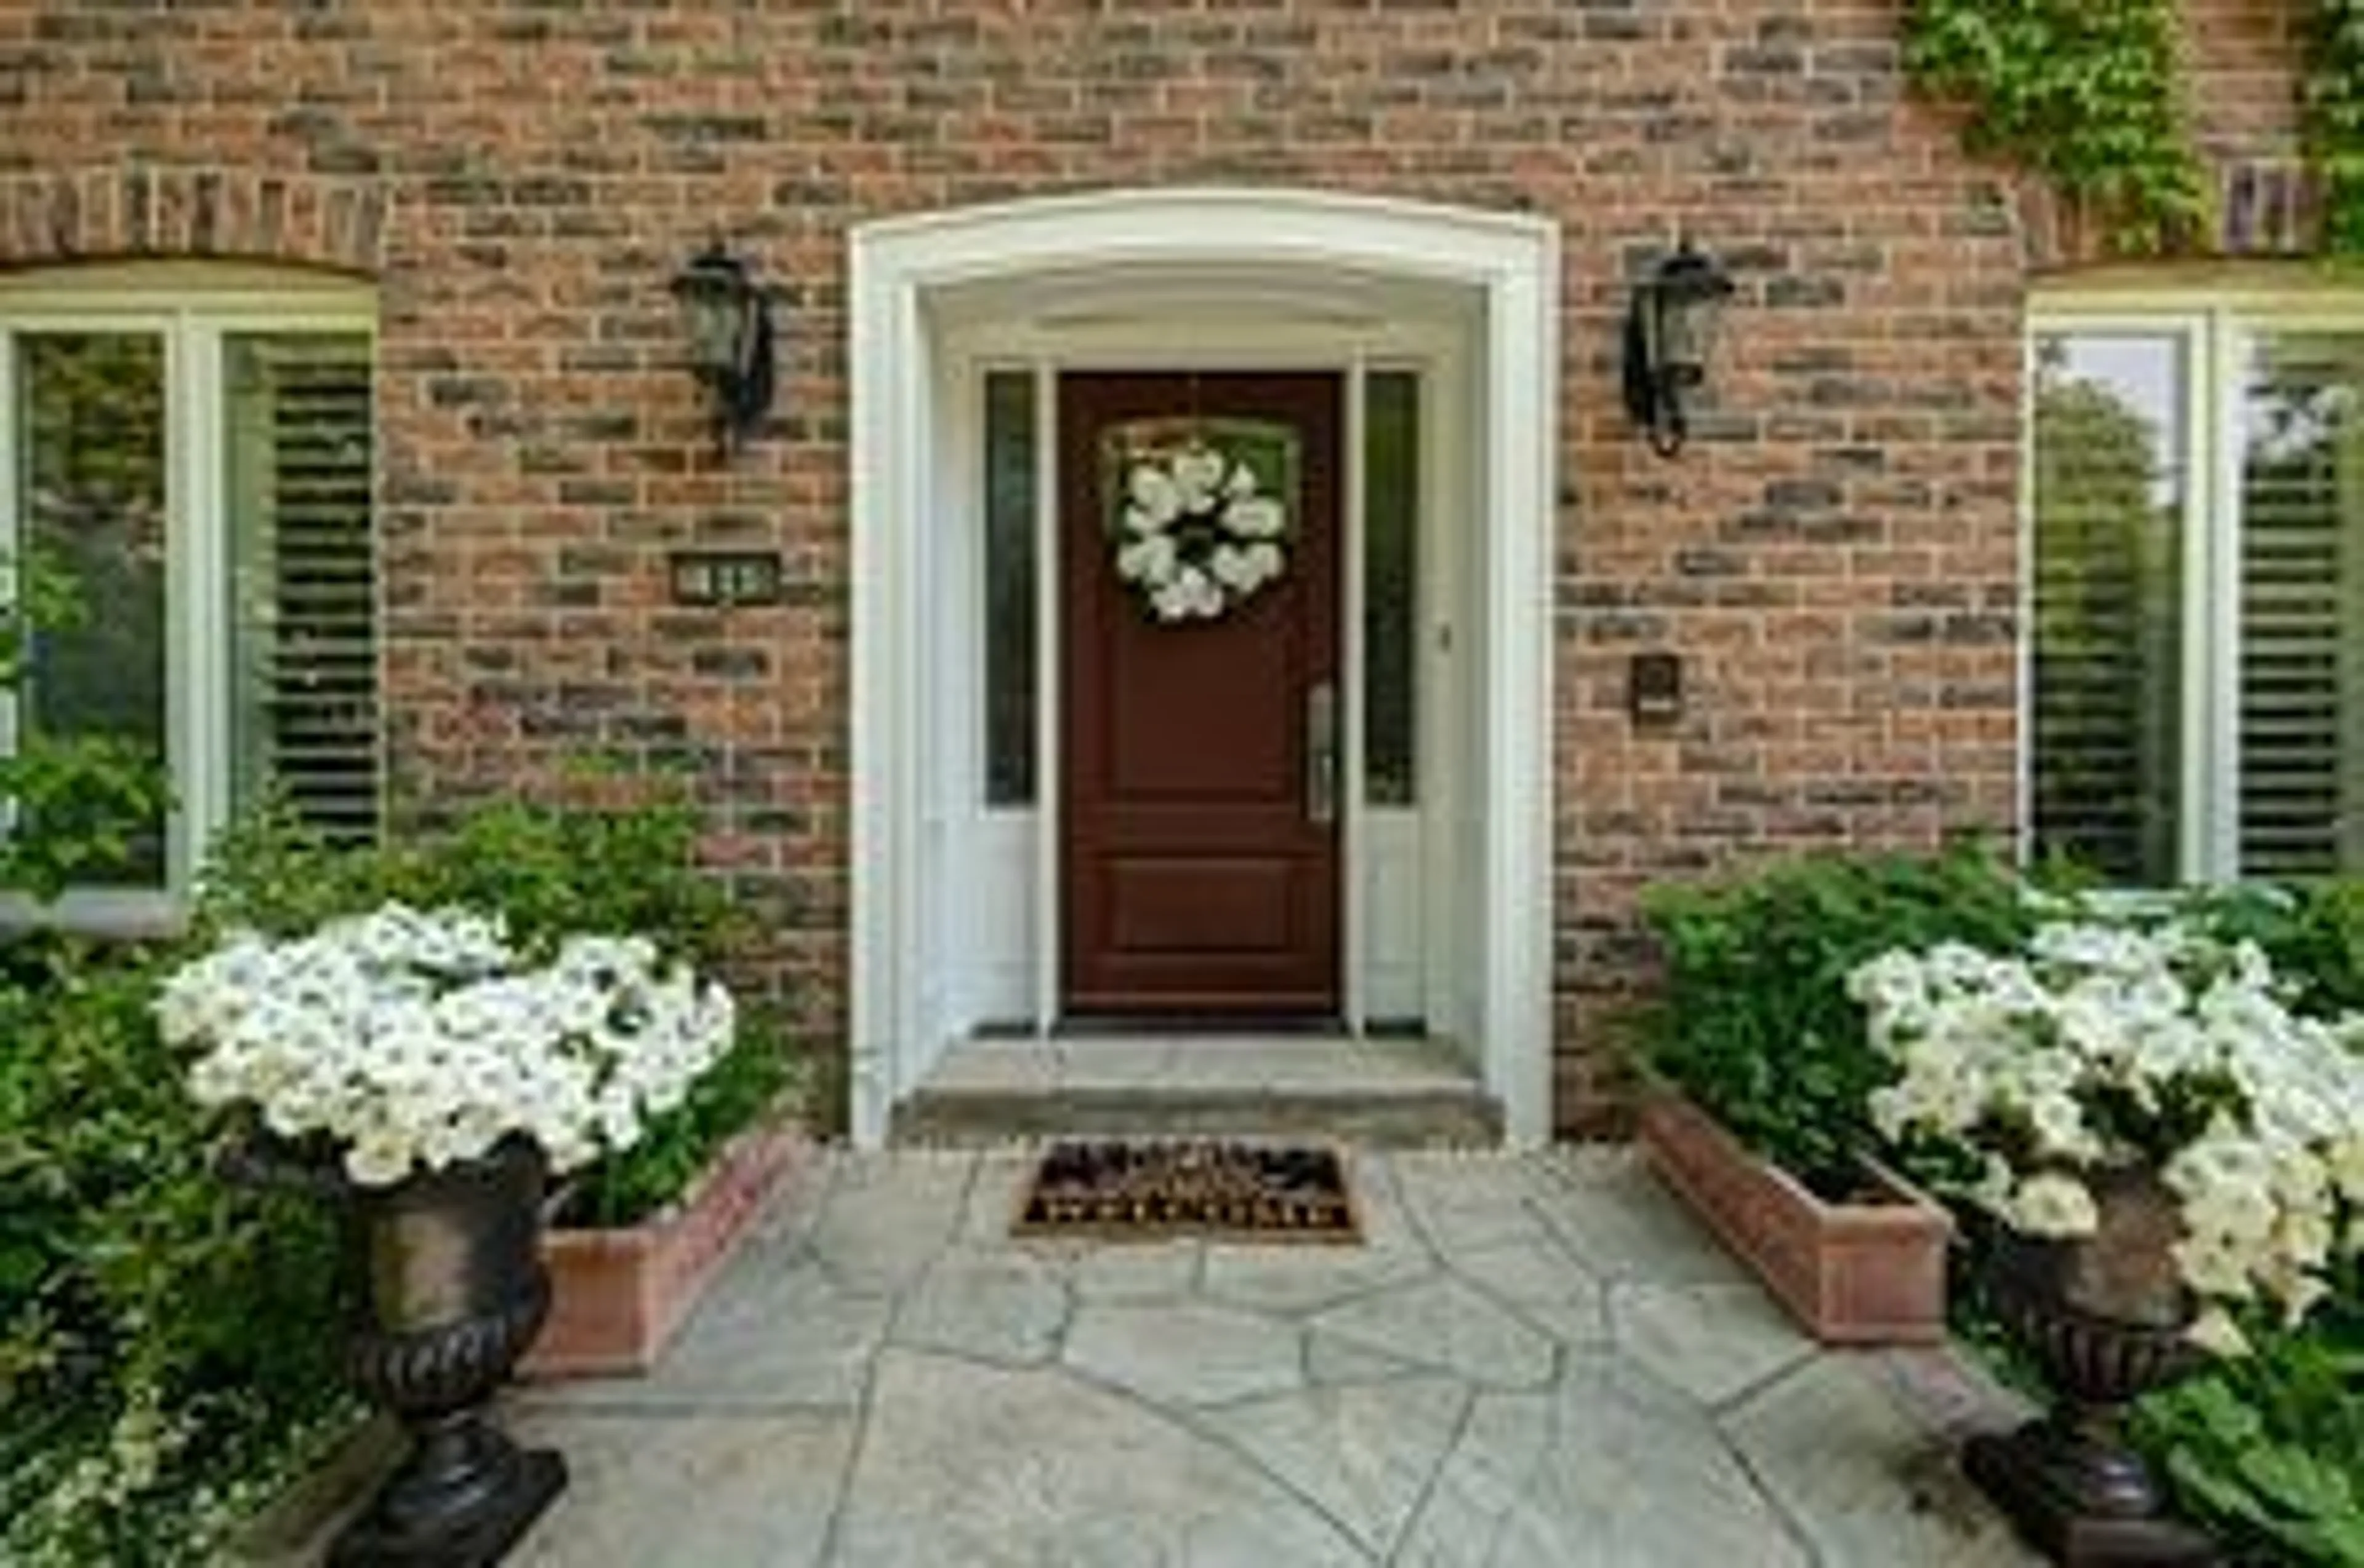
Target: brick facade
1834	556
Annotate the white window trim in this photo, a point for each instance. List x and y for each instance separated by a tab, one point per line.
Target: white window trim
2218	323
194	315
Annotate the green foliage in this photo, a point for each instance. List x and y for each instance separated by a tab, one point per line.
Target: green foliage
2270	1451
136	1286
168	1331
2091	97
550	870
91	802
2332	93
2321	945
2086	95
1757	1025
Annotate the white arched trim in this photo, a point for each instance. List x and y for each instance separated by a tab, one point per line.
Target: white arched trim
905	272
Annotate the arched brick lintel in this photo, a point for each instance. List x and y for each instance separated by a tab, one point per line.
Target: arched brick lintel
113	212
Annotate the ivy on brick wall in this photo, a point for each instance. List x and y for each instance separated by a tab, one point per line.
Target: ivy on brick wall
2089	96
2333	95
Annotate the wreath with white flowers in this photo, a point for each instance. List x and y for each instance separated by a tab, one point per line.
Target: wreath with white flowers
1194	532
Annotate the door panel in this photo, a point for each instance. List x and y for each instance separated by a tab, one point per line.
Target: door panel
1195	878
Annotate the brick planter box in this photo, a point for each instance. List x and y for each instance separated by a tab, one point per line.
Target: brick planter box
1867	1272
617	1296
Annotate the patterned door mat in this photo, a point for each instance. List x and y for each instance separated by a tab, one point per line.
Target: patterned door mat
1149	1191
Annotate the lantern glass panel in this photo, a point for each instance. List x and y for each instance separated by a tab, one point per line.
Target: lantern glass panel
1702	317
712	318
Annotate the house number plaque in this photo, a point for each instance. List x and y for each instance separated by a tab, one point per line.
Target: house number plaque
726	577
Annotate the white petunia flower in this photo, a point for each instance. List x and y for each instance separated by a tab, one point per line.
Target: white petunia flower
2088	1051
2054	1205
414	1038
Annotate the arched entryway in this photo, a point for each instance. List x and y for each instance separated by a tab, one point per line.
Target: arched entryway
978	335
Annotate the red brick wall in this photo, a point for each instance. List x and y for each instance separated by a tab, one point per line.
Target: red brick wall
1833	557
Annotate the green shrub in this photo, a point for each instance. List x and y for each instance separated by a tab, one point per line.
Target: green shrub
169	1334
1755	1024
549	869
161	1329
2323	945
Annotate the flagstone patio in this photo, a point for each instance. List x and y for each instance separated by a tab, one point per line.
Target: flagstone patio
1535	1360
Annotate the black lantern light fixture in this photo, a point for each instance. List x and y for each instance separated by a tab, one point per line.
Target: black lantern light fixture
727	317
1670	332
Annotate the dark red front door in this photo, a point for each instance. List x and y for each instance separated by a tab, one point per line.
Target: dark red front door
1199	857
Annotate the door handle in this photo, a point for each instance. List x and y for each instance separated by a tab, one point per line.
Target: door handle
1322	753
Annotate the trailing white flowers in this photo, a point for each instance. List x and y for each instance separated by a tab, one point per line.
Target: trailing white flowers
419	1040
2122	1040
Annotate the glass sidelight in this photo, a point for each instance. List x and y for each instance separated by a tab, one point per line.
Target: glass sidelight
1011	488
1391	480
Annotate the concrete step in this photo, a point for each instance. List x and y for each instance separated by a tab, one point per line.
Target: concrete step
1413	1093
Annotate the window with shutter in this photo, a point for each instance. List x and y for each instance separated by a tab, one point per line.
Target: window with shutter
195	441
2196	669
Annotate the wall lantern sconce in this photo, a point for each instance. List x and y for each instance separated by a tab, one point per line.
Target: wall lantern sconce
727	316
1670	332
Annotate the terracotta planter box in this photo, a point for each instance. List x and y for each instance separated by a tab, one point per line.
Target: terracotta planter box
617	1296
1855	1274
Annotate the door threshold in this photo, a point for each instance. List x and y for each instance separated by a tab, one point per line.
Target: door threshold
1134	1025
1098	1026
1407	1090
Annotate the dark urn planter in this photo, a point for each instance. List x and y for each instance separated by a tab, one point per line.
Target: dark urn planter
2106	1317
453	1290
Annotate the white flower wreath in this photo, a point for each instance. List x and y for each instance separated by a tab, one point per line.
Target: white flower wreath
1194	535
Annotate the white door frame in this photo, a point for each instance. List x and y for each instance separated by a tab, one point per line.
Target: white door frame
905	272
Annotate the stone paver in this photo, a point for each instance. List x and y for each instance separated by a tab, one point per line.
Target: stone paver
1360	1452
967	1464
1450	1325
1865	1484
690	1489
1184	1355
1713	1341
1535	1360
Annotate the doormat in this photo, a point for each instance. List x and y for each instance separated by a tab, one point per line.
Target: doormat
1151	1191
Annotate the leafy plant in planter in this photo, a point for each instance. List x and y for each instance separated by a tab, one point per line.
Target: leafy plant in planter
1757	1026
550	870
1766	1138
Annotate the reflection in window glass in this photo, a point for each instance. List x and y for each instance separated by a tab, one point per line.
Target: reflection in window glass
2302	723
2109	511
1010	567
1391	574
91	500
